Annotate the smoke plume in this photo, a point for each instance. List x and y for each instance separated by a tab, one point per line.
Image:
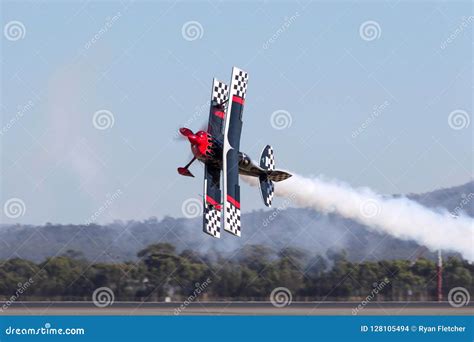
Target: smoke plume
398	216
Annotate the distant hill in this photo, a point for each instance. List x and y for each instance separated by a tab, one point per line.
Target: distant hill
454	199
292	227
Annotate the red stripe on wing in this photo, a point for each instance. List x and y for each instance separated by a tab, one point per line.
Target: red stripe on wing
212	202
238	100
219	114
233	201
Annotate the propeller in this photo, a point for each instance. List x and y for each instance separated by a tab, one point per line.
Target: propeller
185	132
180	136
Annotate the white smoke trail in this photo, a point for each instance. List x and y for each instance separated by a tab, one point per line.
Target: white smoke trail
397	216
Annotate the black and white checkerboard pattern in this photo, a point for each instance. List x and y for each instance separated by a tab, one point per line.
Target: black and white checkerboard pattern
232	217
270	160
220	92
239	82
212	220
268	197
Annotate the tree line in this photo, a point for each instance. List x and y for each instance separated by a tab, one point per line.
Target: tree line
251	274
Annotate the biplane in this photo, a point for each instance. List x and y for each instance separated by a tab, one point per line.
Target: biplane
219	149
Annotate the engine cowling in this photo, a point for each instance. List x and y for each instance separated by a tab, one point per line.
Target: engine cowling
201	143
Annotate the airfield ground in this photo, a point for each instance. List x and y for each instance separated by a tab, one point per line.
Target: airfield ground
235	308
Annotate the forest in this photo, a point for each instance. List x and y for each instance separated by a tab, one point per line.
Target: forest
161	273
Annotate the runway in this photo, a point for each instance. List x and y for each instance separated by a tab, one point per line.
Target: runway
235	308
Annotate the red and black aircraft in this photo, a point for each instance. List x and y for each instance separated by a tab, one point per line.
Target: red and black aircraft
218	149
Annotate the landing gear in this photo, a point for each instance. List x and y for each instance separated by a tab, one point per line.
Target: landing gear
183	171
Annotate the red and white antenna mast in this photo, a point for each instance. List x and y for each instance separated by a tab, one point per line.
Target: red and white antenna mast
439	273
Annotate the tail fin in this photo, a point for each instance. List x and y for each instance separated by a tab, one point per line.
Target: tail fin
267	162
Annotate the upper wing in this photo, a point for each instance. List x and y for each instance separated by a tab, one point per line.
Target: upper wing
219	98
232	131
212	200
212	174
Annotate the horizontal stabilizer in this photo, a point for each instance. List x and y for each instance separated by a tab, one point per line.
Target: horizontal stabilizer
267	160
267	163
266	189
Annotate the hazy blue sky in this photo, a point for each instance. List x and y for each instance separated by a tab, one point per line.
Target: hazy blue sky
367	106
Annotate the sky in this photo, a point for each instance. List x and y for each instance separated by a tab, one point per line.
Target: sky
375	94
